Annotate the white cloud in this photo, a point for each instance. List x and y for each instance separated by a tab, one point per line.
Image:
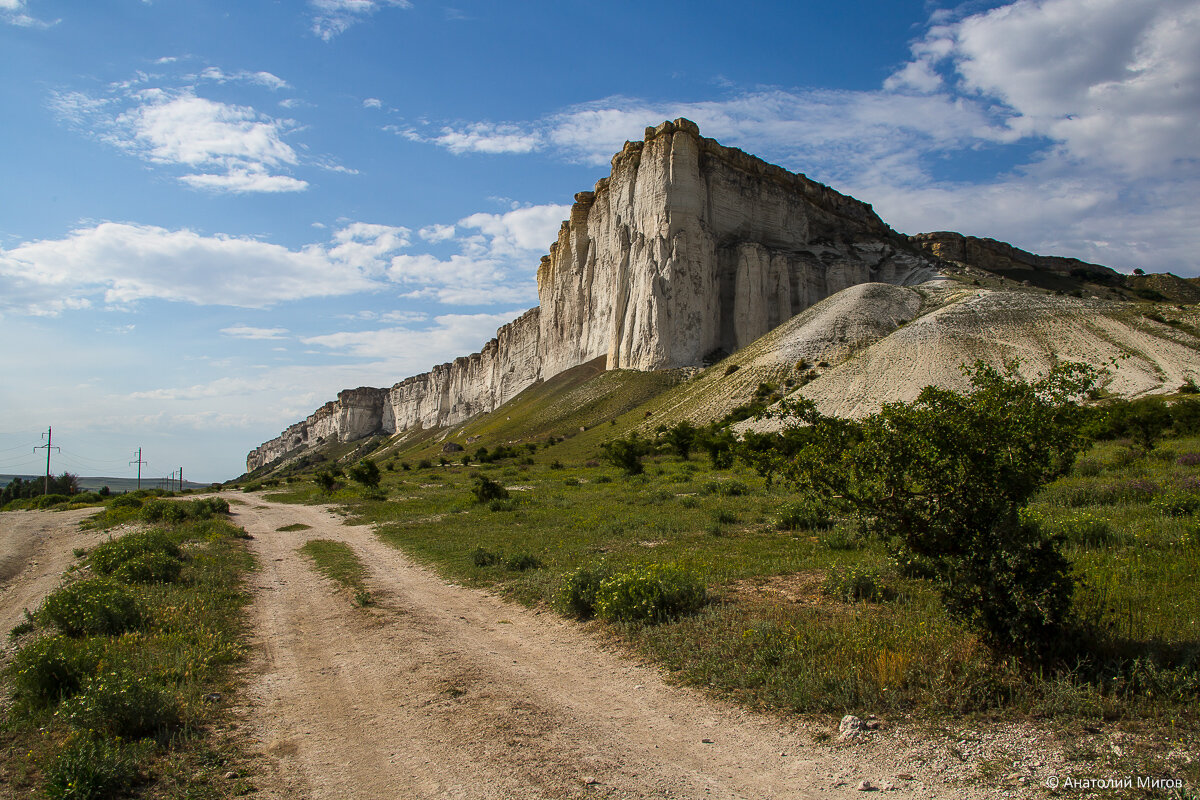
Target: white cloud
481	137
333	17
249	332
266	79
450	336
231	148
527	230
1113	82
13	12
117	263
372	102
437	233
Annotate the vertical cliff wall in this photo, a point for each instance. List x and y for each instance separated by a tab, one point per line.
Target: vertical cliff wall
686	250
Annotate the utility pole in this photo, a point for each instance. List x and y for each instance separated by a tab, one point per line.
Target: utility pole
49	434
181	479
139	462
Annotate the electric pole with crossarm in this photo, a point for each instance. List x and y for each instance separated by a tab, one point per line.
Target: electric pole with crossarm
139	462
49	434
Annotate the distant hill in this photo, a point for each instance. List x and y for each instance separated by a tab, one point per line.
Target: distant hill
90	484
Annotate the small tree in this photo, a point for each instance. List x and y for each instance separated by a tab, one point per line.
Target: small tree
942	480
327	480
719	442
365	472
681	438
626	453
486	489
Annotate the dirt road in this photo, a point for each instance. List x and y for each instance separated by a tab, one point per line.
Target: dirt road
35	548
439	691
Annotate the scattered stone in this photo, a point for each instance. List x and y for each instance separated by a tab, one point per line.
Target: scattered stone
706	741
588	780
851	727
867	786
231	775
212	697
452	447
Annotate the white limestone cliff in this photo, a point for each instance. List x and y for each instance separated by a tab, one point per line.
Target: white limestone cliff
688	249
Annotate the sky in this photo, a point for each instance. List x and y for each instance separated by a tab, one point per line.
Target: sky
216	215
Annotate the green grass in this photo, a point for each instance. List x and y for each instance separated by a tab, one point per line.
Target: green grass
338	562
295	526
134	710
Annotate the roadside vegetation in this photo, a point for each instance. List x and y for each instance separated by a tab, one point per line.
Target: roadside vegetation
338	562
118	681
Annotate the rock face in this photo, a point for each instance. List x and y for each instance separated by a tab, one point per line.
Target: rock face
997	256
688	249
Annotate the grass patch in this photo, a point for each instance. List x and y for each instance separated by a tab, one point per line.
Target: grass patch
338	562
107	688
295	526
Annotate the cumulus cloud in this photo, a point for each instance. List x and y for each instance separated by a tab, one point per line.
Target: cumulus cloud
332	17
120	264
224	147
372	102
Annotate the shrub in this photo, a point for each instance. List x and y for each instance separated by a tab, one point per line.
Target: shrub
96	606
365	472
49	500
486	489
159	510
731	488
842	538
1188	460
1087	467
851	584
649	594
577	596
110	555
806	515
424	463
121	704
485	558
52	668
149	568
90	768
519	562
125	501
626	453
1177	503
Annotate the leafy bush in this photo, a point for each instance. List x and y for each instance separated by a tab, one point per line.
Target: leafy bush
842	537
1188	460
520	562
942	480
121	704
149	568
730	488
96	606
125	501
481	557
626	453
50	500
159	510
650	594
110	555
486	489
1177	503
804	516
52	668
577	596
365	472
92	768
853	583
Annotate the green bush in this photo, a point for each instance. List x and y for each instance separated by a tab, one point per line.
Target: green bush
650	594
481	557
96	606
626	453
110	555
91	768
486	489
159	510
853	583
804	516
121	704
149	568
365	472
50	500
730	488
577	595
1177	503
52	668
125	501
519	562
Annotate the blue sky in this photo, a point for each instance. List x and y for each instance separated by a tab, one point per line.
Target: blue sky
213	216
